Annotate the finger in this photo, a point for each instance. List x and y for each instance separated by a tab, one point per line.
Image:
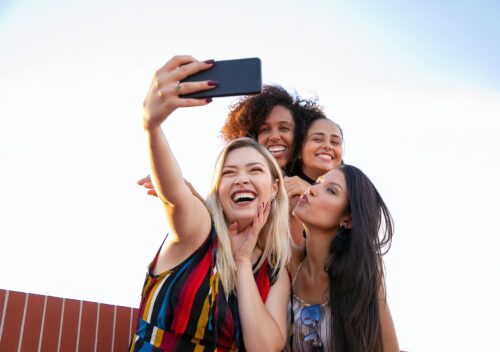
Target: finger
177	61
185	102
257	221
144	180
152	192
148	185
292	192
191	68
183	88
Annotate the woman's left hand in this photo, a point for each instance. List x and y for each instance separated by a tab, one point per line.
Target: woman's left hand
243	243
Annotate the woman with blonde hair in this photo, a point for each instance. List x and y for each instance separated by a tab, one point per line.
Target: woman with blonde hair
219	280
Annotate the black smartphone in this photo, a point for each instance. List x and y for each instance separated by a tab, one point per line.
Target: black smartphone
234	77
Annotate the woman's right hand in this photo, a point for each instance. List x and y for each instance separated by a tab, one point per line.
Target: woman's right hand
295	187
163	95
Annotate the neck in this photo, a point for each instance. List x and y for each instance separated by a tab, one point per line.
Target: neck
318	249
310	174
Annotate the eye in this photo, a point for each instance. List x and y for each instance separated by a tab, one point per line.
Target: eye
331	190
264	130
227	172
256	169
317	139
285	129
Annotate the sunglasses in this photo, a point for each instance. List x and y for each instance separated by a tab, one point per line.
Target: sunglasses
310	317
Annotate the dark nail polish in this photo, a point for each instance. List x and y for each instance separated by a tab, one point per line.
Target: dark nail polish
211	61
213	83
208	100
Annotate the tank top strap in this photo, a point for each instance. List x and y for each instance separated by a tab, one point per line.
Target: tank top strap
152	265
212	238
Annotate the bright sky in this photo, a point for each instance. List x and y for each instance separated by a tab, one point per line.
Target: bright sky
415	86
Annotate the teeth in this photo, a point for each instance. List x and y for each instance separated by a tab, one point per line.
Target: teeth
276	148
242	195
325	157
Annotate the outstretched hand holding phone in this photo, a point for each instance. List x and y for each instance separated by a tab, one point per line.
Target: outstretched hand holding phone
165	90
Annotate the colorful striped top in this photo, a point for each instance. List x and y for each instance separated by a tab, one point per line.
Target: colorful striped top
185	308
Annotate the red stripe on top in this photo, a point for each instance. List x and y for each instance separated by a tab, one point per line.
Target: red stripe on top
226	333
189	290
263	282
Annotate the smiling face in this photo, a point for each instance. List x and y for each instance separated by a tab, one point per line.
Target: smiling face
245	182
324	204
276	134
322	148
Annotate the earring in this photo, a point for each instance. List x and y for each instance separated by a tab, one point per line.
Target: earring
341	240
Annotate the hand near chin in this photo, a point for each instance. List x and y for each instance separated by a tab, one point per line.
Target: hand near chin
295	186
243	242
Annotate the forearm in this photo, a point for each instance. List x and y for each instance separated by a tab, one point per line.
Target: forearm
297	233
261	332
166	173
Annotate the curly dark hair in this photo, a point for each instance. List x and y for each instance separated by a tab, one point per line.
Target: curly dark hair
247	114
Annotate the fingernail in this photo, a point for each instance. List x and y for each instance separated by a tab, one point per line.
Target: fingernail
211	61
208	100
213	83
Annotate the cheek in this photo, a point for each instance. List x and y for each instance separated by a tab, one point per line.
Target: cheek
222	191
338	151
261	138
307	151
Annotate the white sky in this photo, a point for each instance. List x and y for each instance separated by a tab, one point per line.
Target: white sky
416	88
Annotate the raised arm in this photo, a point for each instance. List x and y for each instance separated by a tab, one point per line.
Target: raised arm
162	99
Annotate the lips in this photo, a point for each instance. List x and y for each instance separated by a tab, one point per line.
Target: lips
324	156
243	196
303	199
274	149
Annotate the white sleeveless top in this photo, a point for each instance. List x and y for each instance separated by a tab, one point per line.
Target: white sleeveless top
298	330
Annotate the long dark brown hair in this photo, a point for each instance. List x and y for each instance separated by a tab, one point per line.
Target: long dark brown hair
357	272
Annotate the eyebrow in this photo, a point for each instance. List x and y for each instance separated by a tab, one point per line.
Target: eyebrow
320	179
282	122
323	134
247	165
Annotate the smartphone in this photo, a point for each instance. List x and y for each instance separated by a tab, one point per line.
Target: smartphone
234	77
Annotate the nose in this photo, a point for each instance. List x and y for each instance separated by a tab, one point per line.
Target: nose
274	134
241	181
328	146
312	191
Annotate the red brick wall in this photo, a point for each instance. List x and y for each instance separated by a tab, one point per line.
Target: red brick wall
30	322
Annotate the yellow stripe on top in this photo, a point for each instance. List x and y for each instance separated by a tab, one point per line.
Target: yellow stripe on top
207	305
157	336
146	314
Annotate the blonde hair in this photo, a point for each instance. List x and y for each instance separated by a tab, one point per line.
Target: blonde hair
274	237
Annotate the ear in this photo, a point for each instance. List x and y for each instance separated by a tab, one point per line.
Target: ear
275	188
346	221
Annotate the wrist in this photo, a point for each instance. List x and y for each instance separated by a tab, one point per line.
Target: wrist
243	264
148	126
